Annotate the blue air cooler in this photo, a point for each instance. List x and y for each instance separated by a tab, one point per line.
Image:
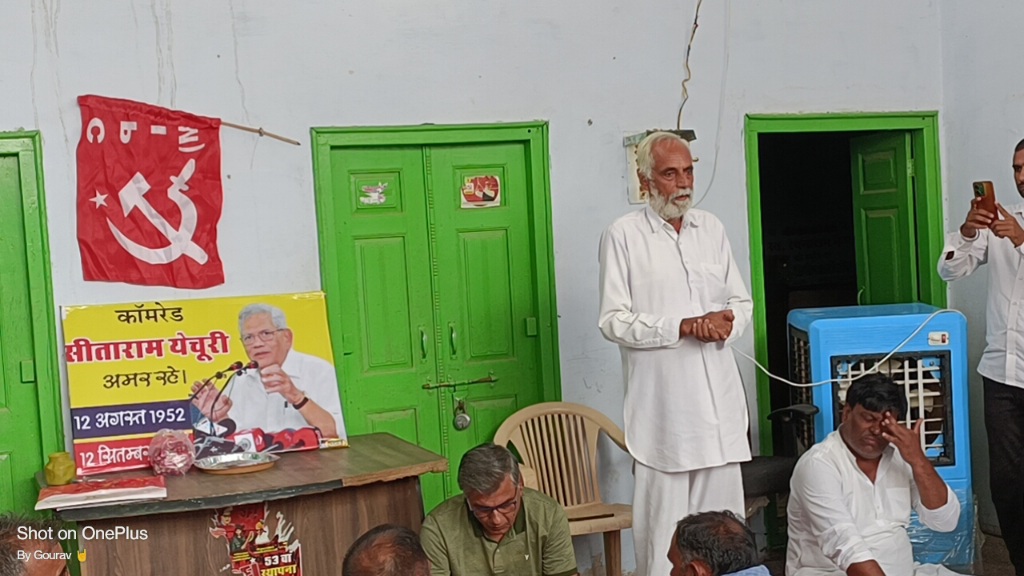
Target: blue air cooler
843	342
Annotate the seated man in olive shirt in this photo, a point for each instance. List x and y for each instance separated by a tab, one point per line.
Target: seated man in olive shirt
497	526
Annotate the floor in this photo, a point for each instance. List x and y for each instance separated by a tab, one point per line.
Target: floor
994	560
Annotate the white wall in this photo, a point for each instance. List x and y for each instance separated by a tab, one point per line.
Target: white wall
984	96
596	71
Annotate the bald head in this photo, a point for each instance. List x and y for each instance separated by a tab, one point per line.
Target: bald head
386	550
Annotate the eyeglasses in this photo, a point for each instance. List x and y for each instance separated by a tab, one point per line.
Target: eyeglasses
264	336
484	512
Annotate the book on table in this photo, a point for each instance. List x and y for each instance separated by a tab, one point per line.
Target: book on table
96	492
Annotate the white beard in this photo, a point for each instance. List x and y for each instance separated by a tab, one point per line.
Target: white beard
667	208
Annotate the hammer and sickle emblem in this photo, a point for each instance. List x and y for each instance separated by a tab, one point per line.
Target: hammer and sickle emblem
132	197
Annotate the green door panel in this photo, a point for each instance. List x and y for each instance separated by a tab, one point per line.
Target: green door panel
21	442
486	277
883	212
385	319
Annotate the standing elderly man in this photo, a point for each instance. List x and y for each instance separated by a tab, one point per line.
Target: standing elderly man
998	240
497	526
672	299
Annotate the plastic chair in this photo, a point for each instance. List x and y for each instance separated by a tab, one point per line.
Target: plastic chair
557	442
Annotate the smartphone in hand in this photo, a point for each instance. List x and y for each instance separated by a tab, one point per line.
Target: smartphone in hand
987	192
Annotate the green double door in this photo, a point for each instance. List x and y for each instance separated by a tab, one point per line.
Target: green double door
436	293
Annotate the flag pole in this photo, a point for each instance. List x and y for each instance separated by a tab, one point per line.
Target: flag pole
261	132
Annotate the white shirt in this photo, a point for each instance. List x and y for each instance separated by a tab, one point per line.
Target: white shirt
253	407
837	517
1003	359
685	407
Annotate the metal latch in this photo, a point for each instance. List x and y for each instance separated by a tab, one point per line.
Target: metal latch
489	379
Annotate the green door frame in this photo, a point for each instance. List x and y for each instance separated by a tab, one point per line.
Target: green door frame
533	135
924	129
28	147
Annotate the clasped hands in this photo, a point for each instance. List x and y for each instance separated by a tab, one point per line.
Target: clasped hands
711	327
1006	227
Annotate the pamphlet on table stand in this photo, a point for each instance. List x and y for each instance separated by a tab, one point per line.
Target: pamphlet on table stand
86	493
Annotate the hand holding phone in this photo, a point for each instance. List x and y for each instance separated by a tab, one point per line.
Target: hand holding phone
985	192
983	210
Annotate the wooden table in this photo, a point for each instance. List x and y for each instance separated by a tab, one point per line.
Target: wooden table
329	497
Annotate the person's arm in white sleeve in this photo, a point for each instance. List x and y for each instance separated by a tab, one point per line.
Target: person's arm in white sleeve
967	247
332	398
961	256
942	519
936	504
739	302
617	321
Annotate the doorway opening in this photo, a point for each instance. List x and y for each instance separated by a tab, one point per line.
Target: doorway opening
843	210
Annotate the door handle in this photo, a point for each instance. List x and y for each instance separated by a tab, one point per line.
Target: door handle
489	379
423	344
28	371
453	338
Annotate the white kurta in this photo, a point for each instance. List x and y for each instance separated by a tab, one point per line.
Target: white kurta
253	407
1003	359
685	406
838	517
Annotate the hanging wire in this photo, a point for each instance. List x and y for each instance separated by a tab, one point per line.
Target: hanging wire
686	64
721	98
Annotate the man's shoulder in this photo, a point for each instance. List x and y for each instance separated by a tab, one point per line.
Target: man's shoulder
823	456
307	362
705	220
627	222
450	514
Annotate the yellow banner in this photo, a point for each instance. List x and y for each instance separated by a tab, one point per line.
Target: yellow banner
238	374
154	351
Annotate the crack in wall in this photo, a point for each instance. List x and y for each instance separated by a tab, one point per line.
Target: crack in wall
164	43
238	77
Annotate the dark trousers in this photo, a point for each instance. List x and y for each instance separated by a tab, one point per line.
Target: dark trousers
1004	423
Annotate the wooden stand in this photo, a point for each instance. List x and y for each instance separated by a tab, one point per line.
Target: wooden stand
330	497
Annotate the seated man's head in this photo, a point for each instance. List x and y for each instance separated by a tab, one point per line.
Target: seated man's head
386	550
712	544
868	400
265	334
490	478
24	551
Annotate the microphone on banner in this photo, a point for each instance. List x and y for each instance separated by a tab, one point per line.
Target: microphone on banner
236	368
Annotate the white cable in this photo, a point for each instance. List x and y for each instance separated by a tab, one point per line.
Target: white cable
871	371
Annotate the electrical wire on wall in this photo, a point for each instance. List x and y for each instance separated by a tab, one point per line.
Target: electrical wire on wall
721	95
686	64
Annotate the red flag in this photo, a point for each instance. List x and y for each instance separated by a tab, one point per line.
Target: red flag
149	194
